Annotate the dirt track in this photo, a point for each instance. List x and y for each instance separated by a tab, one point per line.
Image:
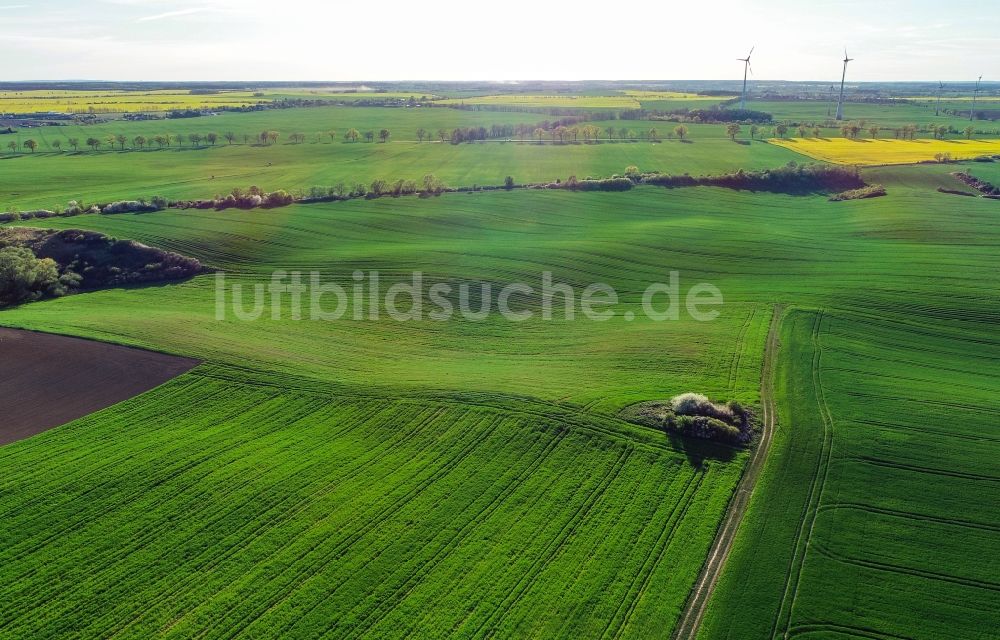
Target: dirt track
694	610
48	380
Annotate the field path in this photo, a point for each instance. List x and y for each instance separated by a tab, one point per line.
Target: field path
697	602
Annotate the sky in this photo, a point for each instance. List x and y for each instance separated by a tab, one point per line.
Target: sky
506	40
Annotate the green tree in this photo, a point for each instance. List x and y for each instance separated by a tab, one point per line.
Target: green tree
352	135
121	140
421	134
93	143
30	144
383	135
732	130
25	277
12	146
74	142
681	131
139	141
754	130
873	131
212	137
969	130
781	130
653	135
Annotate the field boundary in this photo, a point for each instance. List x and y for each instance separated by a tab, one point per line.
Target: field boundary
701	593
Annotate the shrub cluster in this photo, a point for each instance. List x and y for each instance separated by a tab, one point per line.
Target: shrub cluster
252	198
792	178
871	191
980	185
614	183
24	277
694	415
62	261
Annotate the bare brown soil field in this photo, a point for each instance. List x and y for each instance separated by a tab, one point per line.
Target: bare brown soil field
47	380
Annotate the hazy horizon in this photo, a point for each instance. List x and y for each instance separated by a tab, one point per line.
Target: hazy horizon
446	40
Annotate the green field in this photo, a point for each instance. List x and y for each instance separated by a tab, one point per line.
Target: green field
886	115
203	172
383	479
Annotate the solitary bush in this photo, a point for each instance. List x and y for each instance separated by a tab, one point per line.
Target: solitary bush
695	404
871	191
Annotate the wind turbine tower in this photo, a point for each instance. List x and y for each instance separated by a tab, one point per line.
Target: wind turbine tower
840	103
937	108
746	67
975	94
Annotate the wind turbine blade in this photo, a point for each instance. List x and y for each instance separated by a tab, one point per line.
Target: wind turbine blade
751	51
750	66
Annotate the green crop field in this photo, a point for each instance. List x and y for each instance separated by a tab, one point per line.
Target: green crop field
206	170
886	115
370	477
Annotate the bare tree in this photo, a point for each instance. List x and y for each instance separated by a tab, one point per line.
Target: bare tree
421	134
212	137
74	142
229	136
681	131
383	135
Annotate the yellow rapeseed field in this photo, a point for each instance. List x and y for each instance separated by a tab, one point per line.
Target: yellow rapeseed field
865	152
580	102
119	101
671	95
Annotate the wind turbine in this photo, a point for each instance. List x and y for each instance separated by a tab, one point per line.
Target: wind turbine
937	107
840	103
829	103
975	94
746	67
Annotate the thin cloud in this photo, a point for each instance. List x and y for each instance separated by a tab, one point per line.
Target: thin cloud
173	14
13	6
